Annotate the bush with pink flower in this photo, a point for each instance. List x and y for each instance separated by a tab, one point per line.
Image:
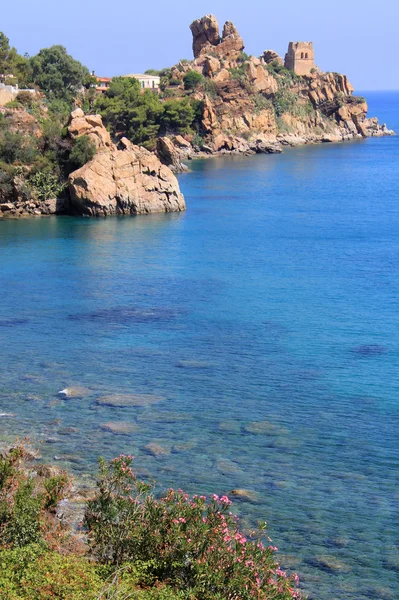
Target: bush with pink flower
191	543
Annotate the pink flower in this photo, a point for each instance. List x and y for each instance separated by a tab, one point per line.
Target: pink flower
225	500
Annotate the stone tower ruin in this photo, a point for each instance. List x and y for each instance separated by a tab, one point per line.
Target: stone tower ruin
300	58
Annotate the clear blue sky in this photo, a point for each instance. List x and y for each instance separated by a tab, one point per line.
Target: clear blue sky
356	37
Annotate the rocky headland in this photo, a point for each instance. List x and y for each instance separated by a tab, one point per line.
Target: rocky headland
221	102
255	104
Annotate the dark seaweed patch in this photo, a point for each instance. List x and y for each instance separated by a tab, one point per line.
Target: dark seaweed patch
370	350
12	322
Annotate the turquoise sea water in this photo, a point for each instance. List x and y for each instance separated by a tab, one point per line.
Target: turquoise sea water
266	318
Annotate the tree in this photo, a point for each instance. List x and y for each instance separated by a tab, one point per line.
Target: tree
178	115
12	63
192	79
82	152
125	109
57	73
5	54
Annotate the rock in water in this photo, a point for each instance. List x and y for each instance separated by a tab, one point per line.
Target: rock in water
124	400
129	180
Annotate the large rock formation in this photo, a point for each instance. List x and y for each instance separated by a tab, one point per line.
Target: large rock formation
92	126
205	33
206	38
128	180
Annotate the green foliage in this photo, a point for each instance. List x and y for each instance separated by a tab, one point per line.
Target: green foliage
286	101
178	115
198	141
193	544
55	488
25	99
141	117
152	72
282	126
211	88
243	57
125	109
82	152
192	79
58	74
12	63
17	148
6	178
261	103
31	573
60	109
22	520
45	185
240	74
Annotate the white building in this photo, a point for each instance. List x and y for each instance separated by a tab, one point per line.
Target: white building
147	82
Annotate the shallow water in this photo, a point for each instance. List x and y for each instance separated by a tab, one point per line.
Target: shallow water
260	330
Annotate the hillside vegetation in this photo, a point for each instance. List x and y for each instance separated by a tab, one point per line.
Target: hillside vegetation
132	543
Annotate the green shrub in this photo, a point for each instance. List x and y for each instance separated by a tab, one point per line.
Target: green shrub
243	57
31	573
191	543
198	141
25	99
192	79
55	488
46	185
261	103
284	101
18	148
211	88
82	152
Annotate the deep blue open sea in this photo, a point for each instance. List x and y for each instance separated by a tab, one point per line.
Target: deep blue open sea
266	321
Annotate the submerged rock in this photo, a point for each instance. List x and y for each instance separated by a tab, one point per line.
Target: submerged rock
264	427
227	467
124	400
75	392
156	450
330	563
119	427
244	495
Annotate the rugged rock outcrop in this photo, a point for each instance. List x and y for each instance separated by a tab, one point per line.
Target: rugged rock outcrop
170	154
257	105
92	126
205	33
129	180
270	56
207	39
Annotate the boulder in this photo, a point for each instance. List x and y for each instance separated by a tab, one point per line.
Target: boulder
92	126
127	181
260	79
270	56
211	66
169	155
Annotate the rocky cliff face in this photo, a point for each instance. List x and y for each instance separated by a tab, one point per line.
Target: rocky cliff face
124	180
254	104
